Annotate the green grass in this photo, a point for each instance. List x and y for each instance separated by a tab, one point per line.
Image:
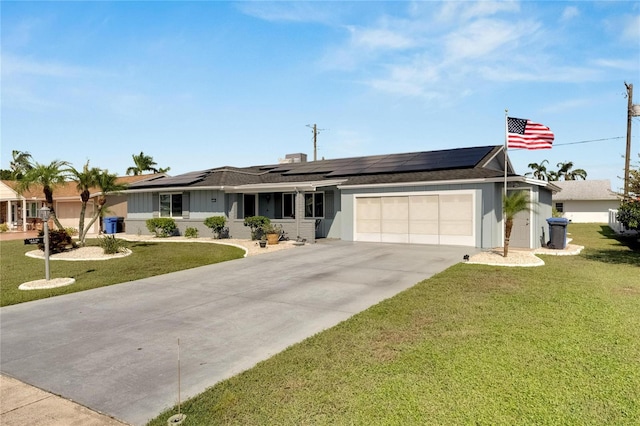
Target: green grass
148	259
550	345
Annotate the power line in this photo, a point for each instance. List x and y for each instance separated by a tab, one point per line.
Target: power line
588	141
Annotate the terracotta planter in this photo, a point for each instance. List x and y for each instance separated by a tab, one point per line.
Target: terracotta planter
272	239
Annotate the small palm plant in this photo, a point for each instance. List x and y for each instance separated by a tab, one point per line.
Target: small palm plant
513	204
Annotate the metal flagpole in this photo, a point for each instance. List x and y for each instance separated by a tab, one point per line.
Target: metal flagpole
506	139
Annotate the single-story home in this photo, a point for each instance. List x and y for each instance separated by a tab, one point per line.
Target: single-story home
585	201
451	197
20	211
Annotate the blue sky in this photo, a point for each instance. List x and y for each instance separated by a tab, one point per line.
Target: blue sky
206	84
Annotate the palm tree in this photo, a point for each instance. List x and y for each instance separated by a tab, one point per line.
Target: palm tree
108	184
85	180
564	171
539	170
20	164
142	163
513	204
49	177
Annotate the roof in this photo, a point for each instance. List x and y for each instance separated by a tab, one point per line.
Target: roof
451	164
585	190
68	189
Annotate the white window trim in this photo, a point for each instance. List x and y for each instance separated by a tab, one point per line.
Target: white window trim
324	201
293	204
171	194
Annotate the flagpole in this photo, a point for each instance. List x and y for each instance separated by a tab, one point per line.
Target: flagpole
506	138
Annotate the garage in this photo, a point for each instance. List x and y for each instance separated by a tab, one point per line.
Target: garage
425	218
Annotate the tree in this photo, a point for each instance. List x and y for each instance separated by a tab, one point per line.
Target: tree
49	177
564	171
20	164
634	182
108	184
629	214
144	163
85	180
539	170
513	204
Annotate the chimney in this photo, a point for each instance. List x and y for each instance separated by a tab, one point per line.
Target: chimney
293	158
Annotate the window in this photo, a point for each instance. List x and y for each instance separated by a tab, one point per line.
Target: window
170	205
560	207
314	204
32	209
289	205
249	205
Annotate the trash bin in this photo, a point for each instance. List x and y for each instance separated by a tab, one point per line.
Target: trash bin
557	232
120	224
110	225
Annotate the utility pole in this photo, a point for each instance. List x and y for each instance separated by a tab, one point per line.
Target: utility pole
315	140
628	154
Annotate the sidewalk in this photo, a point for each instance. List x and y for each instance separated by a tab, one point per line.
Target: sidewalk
21	404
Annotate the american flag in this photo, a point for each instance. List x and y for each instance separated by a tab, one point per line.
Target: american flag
527	134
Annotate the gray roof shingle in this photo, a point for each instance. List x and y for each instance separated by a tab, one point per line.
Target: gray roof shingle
585	190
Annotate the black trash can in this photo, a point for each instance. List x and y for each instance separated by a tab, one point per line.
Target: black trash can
120	224
557	233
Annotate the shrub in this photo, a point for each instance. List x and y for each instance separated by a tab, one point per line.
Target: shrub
59	241
216	223
191	233
162	226
257	225
71	231
629	214
4	227
111	245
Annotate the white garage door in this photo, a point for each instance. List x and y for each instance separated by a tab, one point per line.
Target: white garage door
417	219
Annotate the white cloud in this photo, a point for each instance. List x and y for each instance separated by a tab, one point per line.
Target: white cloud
631	29
574	105
466	11
622	64
569	13
14	65
486	36
379	38
287	11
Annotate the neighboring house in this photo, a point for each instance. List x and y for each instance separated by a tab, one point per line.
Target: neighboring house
450	196
585	201
20	211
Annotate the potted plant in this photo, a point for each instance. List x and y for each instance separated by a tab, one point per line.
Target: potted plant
272	232
257	225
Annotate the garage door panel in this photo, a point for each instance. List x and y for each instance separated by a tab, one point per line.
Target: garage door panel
418	219
395	215
423	215
368	216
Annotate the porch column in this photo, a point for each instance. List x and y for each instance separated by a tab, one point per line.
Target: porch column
24	214
9	218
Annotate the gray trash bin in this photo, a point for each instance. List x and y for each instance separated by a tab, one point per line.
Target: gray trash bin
557	232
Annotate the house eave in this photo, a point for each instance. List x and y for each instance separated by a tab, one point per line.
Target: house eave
173	189
454	181
284	187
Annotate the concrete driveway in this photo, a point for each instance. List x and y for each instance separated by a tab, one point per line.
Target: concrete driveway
115	349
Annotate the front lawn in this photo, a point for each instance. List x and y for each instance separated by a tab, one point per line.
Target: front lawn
557	344
148	259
